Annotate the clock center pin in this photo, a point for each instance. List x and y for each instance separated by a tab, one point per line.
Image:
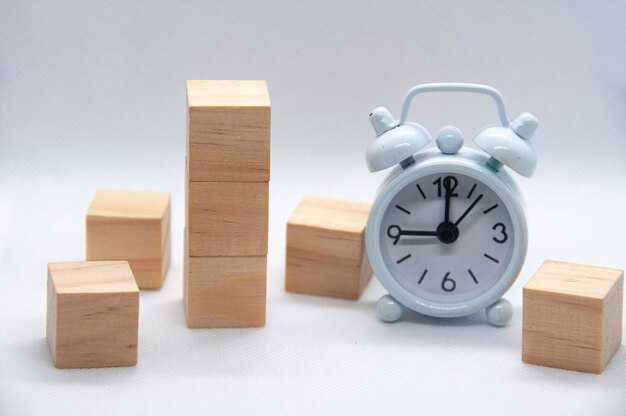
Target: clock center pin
447	232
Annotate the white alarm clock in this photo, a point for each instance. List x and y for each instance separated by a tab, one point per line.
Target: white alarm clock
447	233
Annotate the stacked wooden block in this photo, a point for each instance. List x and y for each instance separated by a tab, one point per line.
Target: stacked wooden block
227	189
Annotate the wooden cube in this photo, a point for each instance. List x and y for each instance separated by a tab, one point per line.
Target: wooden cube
227	218
326	249
132	226
572	316
225	292
92	314
228	131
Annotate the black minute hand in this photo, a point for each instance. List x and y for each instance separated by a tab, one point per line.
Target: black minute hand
467	211
446	184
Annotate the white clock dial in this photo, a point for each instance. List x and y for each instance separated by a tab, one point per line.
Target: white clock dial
446	255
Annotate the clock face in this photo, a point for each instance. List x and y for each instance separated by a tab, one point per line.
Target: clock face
446	238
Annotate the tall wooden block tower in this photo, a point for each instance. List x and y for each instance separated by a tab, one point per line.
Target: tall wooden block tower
227	190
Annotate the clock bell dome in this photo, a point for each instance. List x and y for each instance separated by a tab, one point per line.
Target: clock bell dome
394	141
511	145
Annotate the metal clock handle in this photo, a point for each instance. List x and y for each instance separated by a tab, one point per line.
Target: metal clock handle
455	87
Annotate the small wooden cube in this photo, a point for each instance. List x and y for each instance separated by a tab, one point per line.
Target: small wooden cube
132	226
228	128
572	316
92	314
326	253
227	218
225	292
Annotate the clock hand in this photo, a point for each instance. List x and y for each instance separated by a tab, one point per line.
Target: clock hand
467	211
446	185
396	232
418	233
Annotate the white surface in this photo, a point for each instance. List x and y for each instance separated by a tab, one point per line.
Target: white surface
92	95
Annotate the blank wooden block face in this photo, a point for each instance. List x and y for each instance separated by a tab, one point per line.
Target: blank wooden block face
227	218
326	249
225	292
92	314
132	226
572	316
228	131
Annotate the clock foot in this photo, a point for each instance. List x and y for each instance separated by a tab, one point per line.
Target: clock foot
388	309
500	313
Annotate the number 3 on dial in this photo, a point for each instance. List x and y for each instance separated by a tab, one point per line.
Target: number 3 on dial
503	235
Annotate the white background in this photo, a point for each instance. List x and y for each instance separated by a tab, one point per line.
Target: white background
92	95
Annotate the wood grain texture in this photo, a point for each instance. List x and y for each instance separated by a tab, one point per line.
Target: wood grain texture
572	316
227	218
185	270
133	226
225	292
326	253
227	93
228	131
92	314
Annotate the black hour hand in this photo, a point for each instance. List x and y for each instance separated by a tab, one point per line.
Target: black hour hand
396	232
